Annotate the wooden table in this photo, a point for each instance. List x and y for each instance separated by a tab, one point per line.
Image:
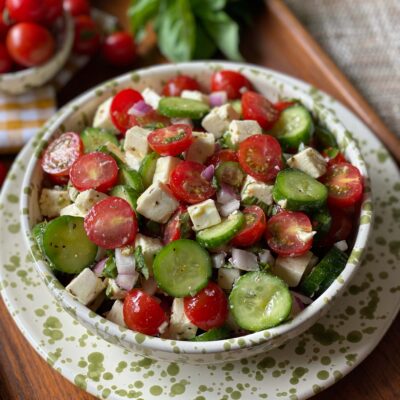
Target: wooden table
275	40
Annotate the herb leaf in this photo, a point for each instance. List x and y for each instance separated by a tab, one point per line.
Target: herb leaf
110	269
141	265
140	13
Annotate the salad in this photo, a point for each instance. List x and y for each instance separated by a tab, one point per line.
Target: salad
197	216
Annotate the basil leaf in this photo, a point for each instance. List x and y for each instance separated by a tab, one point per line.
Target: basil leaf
205	47
140	13
141	265
214	5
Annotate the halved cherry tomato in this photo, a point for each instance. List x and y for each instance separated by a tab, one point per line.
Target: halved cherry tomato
255	224
232	82
96	170
172	140
143	313
121	104
175	86
26	10
119	49
6	61
187	183
289	233
344	183
3	173
87	36
341	227
258	108
77	7
333	156
172	230
261	157
151	120
208	308
222	155
111	223
60	155
283	105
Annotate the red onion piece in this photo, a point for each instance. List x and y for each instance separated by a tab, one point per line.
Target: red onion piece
140	109
227	209
125	264
226	194
125	281
208	173
149	286
304	299
244	260
218	260
266	257
218	98
98	268
178	121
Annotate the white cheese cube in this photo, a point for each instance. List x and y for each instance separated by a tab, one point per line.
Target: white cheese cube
53	201
133	159
86	286
136	140
282	203
217	121
164	167
309	161
241	130
87	199
292	269
73	211
265	257
227	277
151	97
204	215
157	203
150	247
113	291
180	327
116	314
203	146
72	192
256	190
342	245
102	117
195	95
244	260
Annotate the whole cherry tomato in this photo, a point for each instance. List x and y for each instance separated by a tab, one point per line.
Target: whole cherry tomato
119	49
6	61
77	7
175	86
26	10
87	37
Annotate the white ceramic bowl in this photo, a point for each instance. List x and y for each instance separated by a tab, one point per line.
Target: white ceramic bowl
22	81
73	117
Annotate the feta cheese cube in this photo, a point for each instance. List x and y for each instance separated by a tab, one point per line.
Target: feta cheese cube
241	130
150	247
309	161
256	190
204	215
53	201
113	291
342	245
217	121
133	159
157	203
244	260
86	286
102	117
136	140
195	95
72	191
265	257
164	167
87	199
180	326
203	146
151	97
227	277
116	314
73	211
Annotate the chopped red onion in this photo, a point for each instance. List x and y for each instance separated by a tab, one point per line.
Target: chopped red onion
304	299
218	260
127	281
179	121
208	173
244	260
218	98
297	306
101	253
125	264
226	194
98	268
227	209
265	257
140	109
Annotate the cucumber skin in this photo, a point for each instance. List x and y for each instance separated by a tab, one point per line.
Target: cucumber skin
147	168
219	173
88	137
131	178
126	193
324	138
213	334
322	222
177	107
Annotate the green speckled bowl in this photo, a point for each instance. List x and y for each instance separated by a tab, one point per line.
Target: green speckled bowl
75	116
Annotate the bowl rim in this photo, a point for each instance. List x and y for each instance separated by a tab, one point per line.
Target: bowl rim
290	328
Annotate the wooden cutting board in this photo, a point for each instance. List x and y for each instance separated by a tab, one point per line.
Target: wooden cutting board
276	40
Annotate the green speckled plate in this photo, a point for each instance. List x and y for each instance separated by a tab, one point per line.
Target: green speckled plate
297	370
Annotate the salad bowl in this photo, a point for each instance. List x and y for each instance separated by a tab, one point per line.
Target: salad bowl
75	116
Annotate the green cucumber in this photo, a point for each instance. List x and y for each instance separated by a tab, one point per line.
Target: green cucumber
260	301
213	334
38	232
237	106
182	268
222	233
324	139
178	107
93	138
324	273
231	173
294	126
226	141
321	222
147	168
300	191
131	178
127	193
114	151
67	246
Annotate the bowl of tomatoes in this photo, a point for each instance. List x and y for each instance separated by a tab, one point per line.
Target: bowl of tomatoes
36	39
197	213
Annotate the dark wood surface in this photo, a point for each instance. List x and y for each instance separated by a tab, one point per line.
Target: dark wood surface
276	40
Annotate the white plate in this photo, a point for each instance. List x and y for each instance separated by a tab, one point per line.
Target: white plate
304	366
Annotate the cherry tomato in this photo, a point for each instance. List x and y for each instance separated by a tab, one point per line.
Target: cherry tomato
6	61
222	155
175	86
96	170
261	157
283	105
87	37
121	104
172	230
172	140
333	155
119	49
60	155
344	183
258	108
54	10
3	173
111	223
208	308
143	313
232	82
288	233
30	44
151	119
187	183
3	25
253	229
77	7
26	10
341	227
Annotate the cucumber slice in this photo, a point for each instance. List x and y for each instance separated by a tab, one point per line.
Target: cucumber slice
213	334
231	173
259	301
177	107
237	106
147	168
67	246
38	232
324	273
127	193
222	233
301	191
321	222
93	138
226	141
324	138
294	126
131	178
182	268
